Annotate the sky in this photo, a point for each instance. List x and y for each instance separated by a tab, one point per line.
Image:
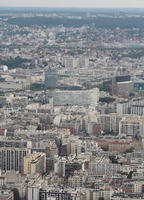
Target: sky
74	3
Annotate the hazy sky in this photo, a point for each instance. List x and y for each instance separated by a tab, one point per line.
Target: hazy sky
75	3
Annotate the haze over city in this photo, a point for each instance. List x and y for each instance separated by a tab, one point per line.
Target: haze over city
74	3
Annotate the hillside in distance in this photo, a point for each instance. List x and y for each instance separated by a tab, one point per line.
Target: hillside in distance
97	22
75	17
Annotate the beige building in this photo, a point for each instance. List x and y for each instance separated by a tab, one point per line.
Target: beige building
93	194
119	146
76	181
35	163
138	186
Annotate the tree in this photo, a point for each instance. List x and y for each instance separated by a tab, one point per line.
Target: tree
13	63
105	88
113	159
16	194
131	94
122	173
107	100
101	198
105	148
39	127
71	167
130	150
130	175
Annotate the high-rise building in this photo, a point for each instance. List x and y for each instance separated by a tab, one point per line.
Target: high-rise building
35	163
12	158
33	192
86	98
134	106
110	122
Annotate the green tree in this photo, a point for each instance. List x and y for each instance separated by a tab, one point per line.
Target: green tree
105	148
105	88
71	167
130	175
13	63
16	194
130	150
39	127
101	198
107	99
113	159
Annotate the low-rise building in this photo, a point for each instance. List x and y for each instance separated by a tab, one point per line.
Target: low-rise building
6	195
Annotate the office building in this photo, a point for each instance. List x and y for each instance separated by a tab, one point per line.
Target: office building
134	106
80	97
12	158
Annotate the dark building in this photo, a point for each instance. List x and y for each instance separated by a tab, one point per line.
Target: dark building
37	86
12	158
119	79
122	78
51	79
44	195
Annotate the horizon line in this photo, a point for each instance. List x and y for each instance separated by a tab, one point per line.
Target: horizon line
67	7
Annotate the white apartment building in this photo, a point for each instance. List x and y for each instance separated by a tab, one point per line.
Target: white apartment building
110	122
103	168
131	126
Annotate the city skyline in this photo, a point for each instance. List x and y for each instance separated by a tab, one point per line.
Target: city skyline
74	3
71	100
